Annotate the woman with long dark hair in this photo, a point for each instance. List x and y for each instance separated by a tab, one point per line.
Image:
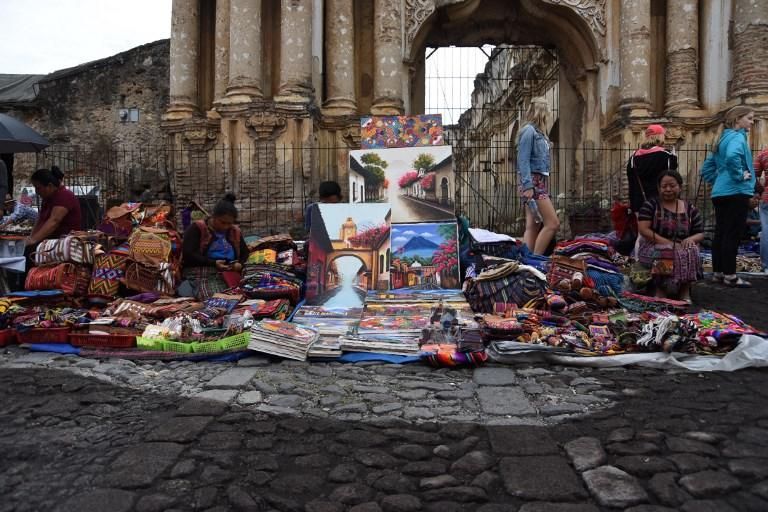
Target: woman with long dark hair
211	248
668	223
60	210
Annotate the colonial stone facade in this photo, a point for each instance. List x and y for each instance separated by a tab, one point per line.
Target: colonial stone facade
291	78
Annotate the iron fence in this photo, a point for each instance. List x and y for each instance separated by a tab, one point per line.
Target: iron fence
274	183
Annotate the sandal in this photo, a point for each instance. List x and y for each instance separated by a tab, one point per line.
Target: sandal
737	283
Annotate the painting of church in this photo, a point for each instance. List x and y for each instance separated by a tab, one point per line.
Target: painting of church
348	254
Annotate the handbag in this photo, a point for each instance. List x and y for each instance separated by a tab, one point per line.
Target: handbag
108	272
663	259
663	264
70	278
562	267
145	278
150	246
69	249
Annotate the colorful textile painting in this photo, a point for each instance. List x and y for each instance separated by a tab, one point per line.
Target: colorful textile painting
348	254
379	132
425	256
417	182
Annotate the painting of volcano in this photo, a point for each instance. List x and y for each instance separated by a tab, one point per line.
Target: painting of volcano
424	256
417	246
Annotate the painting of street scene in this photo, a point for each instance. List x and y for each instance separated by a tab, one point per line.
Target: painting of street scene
349	253
425	256
418	182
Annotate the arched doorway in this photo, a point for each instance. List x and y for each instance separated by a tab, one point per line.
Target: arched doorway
559	50
444	193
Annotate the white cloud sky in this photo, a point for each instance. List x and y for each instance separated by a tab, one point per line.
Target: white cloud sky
41	36
410	233
427	235
400	240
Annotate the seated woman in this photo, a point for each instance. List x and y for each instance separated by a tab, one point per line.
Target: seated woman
21	211
60	210
212	247
672	225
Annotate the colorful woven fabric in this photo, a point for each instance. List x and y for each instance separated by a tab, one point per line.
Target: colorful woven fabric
150	246
453	358
108	273
70	278
205	281
517	288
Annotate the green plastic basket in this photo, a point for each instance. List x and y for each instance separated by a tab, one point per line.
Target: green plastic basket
236	342
177	346
153	344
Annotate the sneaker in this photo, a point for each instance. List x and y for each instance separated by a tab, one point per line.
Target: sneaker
736	282
717	277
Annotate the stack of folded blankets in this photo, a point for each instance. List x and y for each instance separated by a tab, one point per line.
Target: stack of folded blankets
284	339
601	260
271	281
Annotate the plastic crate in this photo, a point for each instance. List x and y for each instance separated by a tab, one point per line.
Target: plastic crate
50	335
7	337
238	341
177	346
103	340
151	344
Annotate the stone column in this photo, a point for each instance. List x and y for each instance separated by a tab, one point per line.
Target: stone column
635	50
221	52
244	51
340	44
388	58
750	51
185	39
682	72
295	51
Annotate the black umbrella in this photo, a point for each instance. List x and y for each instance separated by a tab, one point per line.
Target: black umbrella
17	137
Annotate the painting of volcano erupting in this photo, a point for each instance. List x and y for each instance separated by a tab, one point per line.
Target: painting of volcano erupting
425	256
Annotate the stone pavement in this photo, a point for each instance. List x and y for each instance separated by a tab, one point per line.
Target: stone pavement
87	435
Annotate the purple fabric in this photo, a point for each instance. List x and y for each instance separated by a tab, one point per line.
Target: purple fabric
146	298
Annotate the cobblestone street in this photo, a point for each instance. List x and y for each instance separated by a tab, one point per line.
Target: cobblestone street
79	434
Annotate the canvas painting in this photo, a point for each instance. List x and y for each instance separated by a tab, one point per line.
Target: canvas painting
417	182
348	254
425	256
379	132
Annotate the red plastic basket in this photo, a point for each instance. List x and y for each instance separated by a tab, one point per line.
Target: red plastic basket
7	337
103	340
37	335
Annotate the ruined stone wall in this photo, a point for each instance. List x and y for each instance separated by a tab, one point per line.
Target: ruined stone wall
77	110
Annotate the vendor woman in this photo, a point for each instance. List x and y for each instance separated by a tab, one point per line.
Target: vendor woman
213	248
60	209
670	224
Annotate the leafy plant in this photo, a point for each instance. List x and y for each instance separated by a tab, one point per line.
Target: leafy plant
374	168
446	258
588	206
424	162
